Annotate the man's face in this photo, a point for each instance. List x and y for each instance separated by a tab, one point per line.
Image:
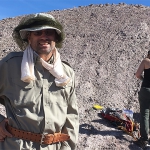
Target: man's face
43	41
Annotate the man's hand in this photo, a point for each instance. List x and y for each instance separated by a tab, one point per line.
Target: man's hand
3	132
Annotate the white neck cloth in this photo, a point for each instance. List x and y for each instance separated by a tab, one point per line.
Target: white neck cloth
27	67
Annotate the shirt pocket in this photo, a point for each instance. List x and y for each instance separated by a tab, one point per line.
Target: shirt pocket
22	84
60	95
23	93
58	107
58	100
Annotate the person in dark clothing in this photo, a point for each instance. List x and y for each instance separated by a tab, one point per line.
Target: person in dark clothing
143	73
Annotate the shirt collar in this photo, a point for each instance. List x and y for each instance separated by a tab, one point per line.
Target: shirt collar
36	57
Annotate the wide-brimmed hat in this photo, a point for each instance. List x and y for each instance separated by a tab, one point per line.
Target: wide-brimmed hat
36	22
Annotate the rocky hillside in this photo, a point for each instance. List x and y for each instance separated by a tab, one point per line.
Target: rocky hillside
104	44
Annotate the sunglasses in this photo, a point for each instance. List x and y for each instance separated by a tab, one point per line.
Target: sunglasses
48	32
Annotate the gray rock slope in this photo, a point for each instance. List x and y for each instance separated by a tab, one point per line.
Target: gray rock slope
105	45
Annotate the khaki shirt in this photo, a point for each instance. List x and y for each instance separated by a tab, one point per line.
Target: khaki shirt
39	106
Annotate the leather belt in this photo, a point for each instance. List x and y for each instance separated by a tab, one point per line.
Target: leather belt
39	138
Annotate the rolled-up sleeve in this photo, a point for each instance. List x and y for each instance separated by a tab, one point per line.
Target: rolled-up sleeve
71	126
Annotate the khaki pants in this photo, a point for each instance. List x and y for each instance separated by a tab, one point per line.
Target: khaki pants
144	100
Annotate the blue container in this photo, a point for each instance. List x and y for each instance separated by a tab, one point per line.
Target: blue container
129	113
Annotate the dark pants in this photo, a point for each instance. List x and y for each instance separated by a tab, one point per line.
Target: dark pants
144	100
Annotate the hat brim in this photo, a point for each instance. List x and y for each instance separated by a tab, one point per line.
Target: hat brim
23	32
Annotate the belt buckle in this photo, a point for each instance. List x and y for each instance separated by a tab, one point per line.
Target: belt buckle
43	136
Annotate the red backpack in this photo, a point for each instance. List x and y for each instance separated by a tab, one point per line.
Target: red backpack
122	121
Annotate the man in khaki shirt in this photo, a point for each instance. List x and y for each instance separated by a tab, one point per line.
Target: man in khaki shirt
38	90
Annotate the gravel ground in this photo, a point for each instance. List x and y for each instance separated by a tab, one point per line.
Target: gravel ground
104	45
